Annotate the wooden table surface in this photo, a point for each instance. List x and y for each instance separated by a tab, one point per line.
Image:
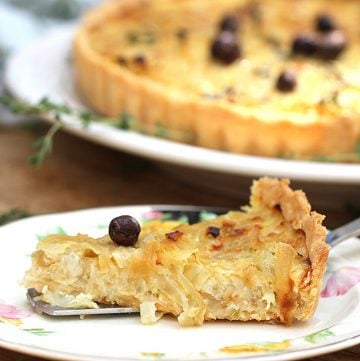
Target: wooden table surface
80	175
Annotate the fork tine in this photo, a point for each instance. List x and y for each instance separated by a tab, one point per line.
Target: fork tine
43	307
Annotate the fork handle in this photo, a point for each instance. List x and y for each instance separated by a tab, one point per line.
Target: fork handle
338	235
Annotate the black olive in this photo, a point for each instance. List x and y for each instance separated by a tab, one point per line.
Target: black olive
124	230
140	60
304	44
325	23
225	48
286	81
213	231
229	23
331	45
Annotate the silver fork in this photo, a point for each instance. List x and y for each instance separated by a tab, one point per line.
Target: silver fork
344	232
43	307
334	237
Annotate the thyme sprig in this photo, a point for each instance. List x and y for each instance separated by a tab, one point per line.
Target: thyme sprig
44	144
20	107
125	121
58	112
13	215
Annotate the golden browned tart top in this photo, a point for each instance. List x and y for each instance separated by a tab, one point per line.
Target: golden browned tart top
236	63
264	263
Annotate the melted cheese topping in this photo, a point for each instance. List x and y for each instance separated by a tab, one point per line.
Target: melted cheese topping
266	32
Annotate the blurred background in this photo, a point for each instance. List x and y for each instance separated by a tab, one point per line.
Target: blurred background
107	177
78	174
22	21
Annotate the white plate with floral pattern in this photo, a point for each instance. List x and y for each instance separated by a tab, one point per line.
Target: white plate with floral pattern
44	70
335	325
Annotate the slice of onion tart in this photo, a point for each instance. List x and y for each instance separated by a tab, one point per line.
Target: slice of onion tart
265	263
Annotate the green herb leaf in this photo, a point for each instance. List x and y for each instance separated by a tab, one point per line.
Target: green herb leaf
357	150
44	145
87	118
183	219
318	336
57	230
160	131
13	215
125	121
207	216
38	331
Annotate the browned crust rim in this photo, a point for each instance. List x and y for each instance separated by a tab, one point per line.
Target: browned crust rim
110	90
296	210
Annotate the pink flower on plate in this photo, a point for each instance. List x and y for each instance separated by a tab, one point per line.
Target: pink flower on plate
341	281
153	215
11	312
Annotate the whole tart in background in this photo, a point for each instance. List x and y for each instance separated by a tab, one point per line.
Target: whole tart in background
274	78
